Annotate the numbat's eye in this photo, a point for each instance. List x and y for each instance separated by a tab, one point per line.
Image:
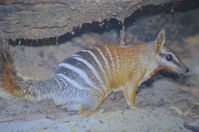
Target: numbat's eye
169	57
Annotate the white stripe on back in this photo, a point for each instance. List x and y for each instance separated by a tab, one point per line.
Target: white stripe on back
110	56
95	58
117	59
81	73
103	57
90	66
58	82
64	81
72	82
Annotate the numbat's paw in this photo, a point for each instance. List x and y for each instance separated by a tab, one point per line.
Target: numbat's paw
89	113
133	107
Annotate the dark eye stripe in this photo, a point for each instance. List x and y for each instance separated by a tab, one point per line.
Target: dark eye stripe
162	54
173	60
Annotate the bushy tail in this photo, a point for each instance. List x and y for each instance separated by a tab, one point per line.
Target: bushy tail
12	85
8	78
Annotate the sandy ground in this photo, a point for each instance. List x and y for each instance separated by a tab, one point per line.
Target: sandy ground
165	102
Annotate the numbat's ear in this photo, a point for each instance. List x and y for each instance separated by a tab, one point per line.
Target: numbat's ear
160	41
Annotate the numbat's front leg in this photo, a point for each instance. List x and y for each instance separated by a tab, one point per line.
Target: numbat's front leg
130	91
129	94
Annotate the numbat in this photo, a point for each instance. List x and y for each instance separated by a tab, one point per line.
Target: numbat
82	81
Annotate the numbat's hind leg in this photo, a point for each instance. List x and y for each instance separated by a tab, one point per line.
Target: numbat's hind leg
94	102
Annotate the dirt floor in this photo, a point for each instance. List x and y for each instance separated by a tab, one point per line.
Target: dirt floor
168	102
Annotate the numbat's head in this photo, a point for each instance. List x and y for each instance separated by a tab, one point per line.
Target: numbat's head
165	57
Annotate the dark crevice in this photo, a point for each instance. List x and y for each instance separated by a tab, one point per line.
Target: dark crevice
112	24
171	8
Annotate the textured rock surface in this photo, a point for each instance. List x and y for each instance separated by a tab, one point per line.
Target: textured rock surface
34	19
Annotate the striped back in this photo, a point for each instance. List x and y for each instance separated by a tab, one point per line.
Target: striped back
87	69
101	68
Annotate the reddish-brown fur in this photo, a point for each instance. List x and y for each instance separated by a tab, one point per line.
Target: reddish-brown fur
8	79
